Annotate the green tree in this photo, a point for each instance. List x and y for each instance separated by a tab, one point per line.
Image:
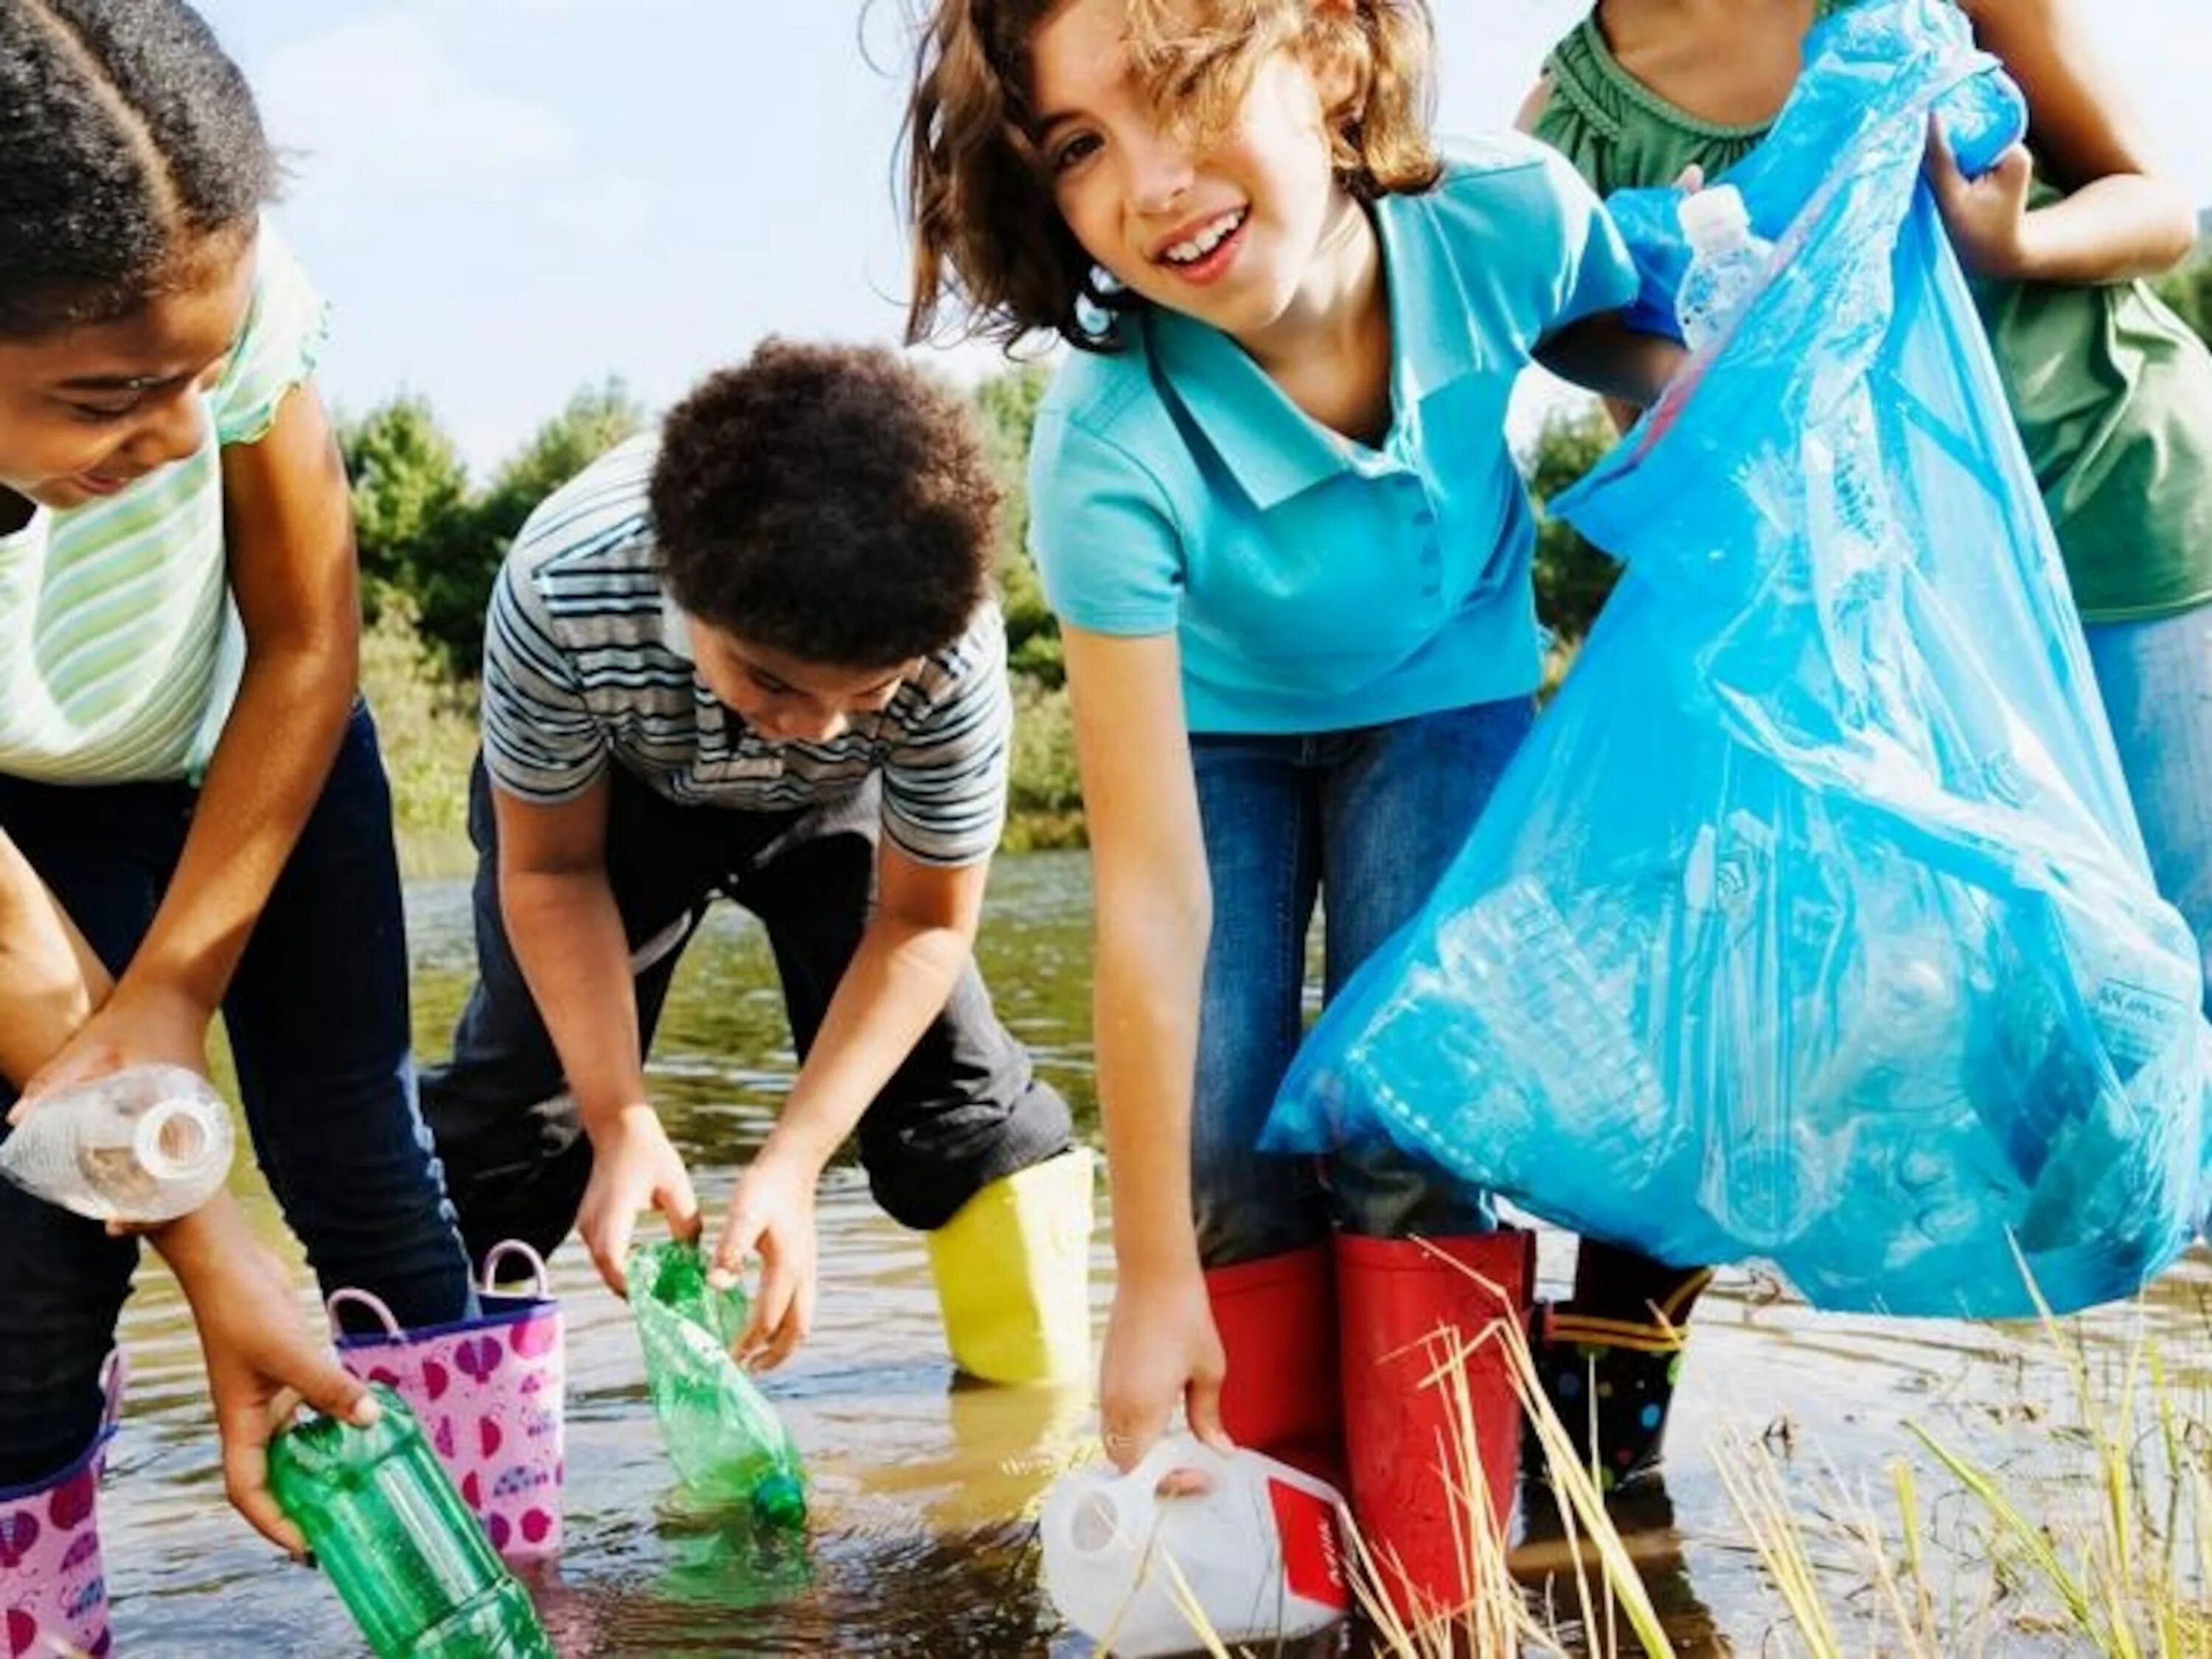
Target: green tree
425	534
1006	406
453	597
1572	577
2189	291
596	420
410	497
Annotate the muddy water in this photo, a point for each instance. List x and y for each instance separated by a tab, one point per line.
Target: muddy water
920	1544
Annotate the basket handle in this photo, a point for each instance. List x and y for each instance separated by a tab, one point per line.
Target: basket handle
540	1275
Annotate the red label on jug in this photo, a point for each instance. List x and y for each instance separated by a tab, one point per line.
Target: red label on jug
1313	1549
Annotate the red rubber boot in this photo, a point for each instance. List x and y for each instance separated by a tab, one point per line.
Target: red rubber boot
1406	1306
1277	1321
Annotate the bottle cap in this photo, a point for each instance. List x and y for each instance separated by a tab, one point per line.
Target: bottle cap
780	1500
175	1140
1715	218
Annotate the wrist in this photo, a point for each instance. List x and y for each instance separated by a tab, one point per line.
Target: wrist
172	991
610	1119
1151	1262
197	1246
2017	256
797	1147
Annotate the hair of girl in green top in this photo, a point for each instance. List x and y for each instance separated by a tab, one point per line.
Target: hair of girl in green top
988	238
131	153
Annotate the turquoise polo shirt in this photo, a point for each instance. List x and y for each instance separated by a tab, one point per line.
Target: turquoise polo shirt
1314	583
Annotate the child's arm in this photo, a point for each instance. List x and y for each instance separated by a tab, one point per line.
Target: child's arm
1153	902
255	1346
2121	218
48	972
568	940
1603	354
259	1354
901	977
290	534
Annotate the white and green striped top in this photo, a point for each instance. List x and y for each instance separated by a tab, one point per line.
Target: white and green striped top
120	649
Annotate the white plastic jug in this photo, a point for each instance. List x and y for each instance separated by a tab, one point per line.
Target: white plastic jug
1258	1555
144	1145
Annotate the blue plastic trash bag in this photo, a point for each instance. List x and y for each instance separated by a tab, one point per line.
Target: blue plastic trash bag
1812	922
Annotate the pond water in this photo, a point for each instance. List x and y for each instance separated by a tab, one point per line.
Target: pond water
925	1489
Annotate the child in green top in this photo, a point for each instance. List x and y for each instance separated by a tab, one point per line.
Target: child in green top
2111	392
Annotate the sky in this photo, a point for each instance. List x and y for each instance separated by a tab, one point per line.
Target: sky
508	199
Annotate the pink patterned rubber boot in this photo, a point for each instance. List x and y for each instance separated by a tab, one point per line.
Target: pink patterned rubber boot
488	1393
53	1589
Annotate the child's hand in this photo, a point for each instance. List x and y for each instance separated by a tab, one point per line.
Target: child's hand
772	1214
1987	217
262	1361
137	1026
633	1168
1162	1351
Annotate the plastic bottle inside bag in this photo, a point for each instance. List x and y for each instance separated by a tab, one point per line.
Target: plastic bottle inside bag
1261	1552
1728	263
143	1146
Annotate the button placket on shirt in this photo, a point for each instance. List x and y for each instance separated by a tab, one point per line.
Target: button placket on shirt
1423	519
1403	459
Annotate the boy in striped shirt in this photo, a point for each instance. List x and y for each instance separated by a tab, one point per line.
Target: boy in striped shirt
755	653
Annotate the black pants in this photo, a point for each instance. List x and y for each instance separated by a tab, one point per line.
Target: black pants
317	1019
964	1108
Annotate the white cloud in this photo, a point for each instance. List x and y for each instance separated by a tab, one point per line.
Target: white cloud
387	121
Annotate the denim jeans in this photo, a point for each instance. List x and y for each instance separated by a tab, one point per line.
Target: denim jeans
964	1108
2156	678
1367	821
317	1019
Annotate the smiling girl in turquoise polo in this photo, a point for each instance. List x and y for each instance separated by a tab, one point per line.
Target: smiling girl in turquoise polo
1275	509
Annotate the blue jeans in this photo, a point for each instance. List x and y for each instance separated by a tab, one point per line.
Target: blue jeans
319	1025
1367	820
2156	678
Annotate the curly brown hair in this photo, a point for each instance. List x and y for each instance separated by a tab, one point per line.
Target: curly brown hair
828	502
988	238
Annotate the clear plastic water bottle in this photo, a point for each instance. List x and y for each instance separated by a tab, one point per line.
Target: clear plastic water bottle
1728	263
409	1560
726	1441
1982	118
143	1145
1258	1555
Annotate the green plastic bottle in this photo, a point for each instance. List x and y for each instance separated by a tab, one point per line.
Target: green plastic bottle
726	1441
410	1563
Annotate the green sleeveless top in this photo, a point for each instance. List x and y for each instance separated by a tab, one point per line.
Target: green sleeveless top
2111	392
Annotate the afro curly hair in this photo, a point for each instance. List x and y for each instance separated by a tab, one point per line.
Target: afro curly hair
828	502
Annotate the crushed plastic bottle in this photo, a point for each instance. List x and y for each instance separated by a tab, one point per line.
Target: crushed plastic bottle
726	1441
410	1563
1259	1554
1982	118
143	1145
1727	264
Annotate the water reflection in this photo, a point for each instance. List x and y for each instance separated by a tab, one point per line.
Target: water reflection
922	1487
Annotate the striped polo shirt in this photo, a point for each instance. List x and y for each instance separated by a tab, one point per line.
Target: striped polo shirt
587	664
120	650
